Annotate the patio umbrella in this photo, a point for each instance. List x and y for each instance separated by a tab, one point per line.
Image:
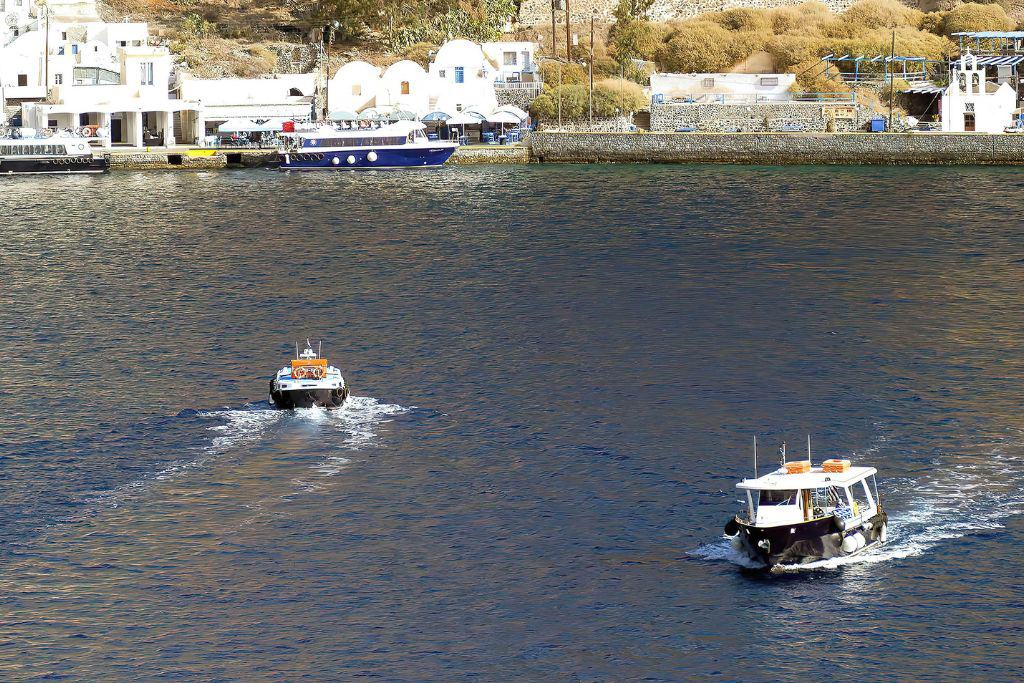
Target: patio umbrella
463	119
504	118
343	116
514	110
436	116
238	126
398	115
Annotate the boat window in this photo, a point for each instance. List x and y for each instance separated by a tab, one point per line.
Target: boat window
777	498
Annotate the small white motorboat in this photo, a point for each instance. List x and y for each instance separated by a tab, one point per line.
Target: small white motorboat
308	382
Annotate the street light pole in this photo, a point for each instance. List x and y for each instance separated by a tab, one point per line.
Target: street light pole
554	31
592	14
568	34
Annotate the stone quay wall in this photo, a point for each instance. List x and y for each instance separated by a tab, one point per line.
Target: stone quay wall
780	148
757	117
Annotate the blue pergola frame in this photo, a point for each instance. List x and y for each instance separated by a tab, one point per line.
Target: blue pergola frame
865	68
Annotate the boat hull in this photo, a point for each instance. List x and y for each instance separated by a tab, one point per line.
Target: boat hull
309	398
54	165
359	159
811	541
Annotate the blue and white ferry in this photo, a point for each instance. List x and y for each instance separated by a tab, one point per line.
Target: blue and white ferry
402	144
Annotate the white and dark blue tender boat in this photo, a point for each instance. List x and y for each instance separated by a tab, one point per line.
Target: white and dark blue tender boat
799	513
308	382
49	156
402	144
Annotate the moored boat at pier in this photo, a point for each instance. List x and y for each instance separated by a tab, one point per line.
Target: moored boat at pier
402	144
49	156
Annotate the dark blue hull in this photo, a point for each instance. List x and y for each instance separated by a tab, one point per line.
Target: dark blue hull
387	157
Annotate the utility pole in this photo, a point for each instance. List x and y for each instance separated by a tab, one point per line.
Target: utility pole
568	34
46	51
559	97
892	83
554	31
592	14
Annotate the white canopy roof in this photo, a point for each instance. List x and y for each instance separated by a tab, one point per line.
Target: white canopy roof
504	117
463	119
779	480
514	110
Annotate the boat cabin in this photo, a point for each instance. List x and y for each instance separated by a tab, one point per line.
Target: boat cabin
42	147
786	496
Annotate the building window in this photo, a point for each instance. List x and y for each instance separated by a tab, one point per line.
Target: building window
74	49
357	89
122	43
58	79
22	80
63	35
405	87
969	123
441	73
60	50
768	82
147	73
511	59
460	74
708	83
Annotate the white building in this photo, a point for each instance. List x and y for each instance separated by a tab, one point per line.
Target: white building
404	86
718	87
287	96
354	88
130	106
970	104
514	61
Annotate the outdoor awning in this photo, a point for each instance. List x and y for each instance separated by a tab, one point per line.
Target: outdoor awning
922	89
463	119
514	110
997	60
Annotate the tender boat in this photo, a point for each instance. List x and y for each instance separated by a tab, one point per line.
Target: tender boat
802	513
49	156
399	145
308	382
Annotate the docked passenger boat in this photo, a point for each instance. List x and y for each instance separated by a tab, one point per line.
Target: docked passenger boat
49	156
801	513
308	382
399	145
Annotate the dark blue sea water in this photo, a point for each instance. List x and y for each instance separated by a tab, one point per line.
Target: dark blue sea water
558	374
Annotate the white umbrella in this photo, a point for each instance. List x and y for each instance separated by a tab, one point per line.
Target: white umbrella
514	110
504	118
463	119
238	126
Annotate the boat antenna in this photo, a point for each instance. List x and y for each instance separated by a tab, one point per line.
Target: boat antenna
782	452
755	456
320	349
296	349
808	448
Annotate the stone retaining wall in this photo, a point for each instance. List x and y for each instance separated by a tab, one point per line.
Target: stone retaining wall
756	117
126	161
492	154
780	148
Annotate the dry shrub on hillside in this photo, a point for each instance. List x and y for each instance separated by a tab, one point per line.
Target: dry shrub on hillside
974	17
212	57
871	14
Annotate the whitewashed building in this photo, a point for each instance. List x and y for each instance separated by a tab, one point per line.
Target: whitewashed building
462	78
970	104
283	96
131	106
514	61
721	87
354	87
404	86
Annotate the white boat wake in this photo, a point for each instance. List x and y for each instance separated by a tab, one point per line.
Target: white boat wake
975	494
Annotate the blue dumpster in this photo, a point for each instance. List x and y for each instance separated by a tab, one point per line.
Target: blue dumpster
878	125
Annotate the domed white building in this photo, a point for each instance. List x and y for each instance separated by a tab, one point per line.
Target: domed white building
354	87
404	86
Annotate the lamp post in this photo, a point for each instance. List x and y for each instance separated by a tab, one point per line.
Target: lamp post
591	67
554	29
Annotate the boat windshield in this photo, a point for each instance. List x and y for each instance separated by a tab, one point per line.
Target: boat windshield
777	498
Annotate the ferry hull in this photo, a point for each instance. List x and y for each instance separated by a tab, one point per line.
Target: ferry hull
54	165
393	157
819	539
309	398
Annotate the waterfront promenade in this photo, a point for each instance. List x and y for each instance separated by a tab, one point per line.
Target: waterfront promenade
745	148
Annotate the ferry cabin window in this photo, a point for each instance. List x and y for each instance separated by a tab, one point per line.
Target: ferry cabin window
777	498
